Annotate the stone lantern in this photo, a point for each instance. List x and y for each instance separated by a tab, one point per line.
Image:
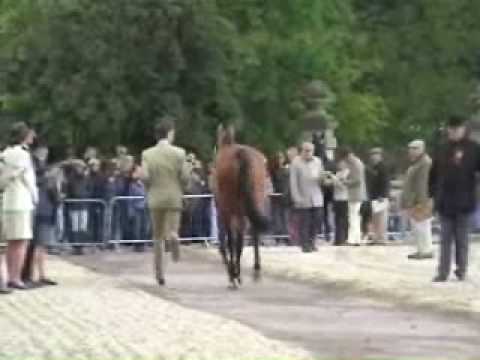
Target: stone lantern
319	100
474	102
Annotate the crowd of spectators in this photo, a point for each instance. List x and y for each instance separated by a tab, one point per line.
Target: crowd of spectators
88	182
96	199
91	183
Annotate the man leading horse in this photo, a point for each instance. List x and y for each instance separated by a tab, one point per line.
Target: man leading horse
166	173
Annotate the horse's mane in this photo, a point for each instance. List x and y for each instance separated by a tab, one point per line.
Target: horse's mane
226	136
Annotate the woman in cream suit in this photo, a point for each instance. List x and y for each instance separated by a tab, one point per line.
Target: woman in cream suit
19	201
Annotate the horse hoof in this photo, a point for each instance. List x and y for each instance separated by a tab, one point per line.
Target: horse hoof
238	282
233	286
257	275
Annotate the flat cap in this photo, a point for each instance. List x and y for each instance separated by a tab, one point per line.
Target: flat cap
376	150
417	144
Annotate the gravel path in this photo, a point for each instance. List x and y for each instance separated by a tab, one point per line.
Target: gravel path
382	272
100	317
329	323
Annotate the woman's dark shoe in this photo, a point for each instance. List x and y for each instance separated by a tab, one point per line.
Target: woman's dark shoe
48	282
18	286
460	276
33	284
5	291
439	278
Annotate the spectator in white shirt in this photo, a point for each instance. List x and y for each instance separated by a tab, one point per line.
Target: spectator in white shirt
357	193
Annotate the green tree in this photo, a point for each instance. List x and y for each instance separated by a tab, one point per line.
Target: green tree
424	55
283	45
102	71
90	71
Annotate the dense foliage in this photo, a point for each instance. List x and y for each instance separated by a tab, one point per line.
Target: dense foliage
88	71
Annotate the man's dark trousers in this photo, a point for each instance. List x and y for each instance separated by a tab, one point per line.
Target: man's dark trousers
310	220
454	231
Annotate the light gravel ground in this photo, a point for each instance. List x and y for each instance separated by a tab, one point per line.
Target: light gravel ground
93	316
382	272
110	308
330	323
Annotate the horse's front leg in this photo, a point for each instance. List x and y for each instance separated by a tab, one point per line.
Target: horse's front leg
230	258
256	248
226	252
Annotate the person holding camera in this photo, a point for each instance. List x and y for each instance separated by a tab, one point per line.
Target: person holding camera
378	185
340	195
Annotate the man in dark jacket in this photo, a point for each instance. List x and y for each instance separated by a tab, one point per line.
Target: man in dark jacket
327	189
378	188
452	185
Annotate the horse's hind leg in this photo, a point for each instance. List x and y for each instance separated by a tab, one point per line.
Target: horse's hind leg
238	256
223	247
256	248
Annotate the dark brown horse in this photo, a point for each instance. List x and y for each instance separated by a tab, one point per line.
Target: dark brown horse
241	195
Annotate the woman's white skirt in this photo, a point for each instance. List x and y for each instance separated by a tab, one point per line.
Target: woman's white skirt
17	225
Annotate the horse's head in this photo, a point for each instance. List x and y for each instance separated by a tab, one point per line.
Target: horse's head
225	136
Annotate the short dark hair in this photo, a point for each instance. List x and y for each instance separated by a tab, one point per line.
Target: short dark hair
456	120
18	132
343	152
164	126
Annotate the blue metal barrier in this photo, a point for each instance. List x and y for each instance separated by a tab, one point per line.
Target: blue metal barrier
120	221
125	220
83	222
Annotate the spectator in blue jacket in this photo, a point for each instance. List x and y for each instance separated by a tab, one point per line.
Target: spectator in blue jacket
137	210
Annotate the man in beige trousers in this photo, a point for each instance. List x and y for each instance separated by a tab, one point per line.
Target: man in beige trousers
357	193
416	201
166	173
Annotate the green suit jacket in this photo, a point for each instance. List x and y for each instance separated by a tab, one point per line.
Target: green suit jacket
415	186
166	174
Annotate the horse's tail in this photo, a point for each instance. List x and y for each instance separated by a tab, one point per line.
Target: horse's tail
258	220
